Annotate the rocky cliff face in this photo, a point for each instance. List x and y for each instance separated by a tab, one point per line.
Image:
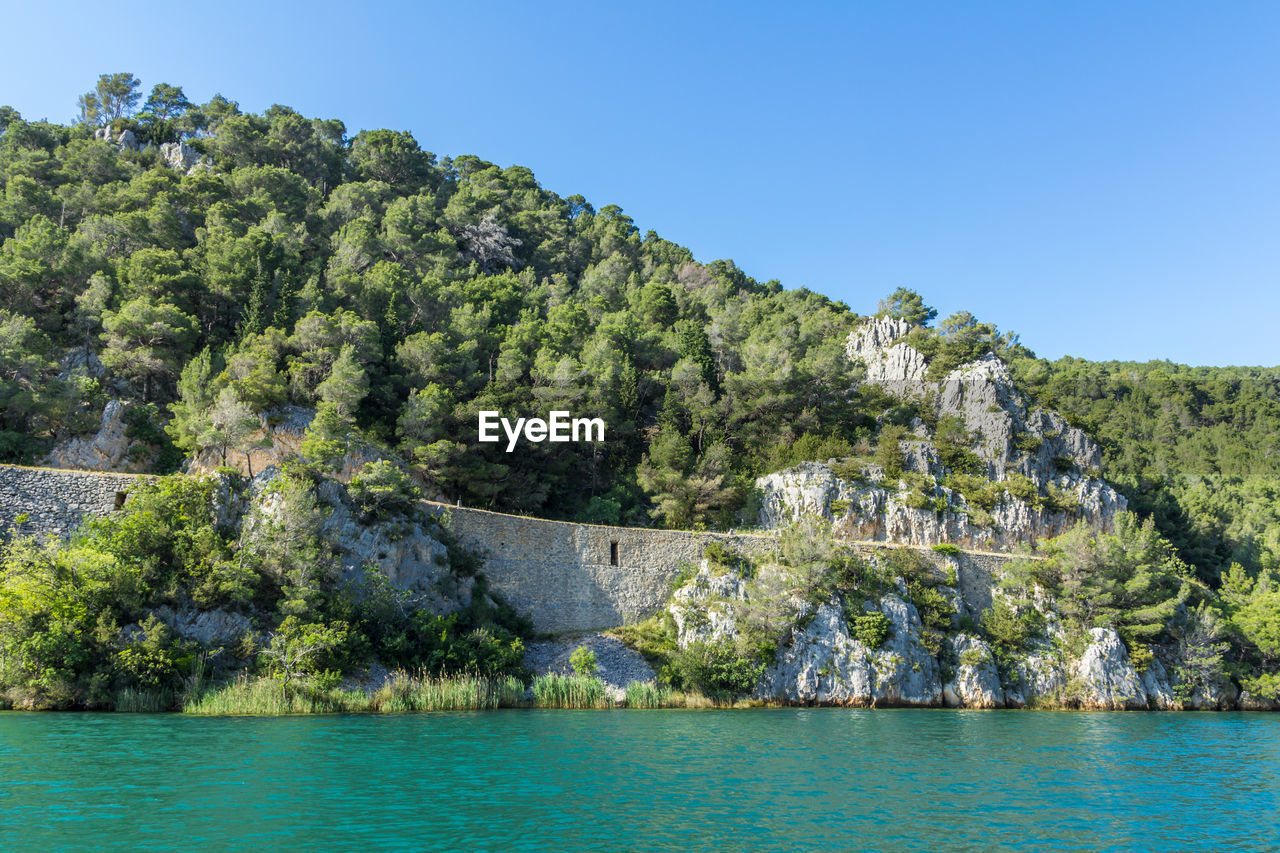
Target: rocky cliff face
1041	475
108	449
823	659
407	552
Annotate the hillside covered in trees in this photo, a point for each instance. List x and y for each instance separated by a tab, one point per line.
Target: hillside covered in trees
209	267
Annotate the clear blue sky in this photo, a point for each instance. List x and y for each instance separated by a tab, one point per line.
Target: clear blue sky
1101	177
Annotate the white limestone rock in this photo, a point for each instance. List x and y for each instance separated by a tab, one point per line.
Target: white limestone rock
824	664
402	551
1007	435
1252	702
182	157
876	344
1156	683
125	140
209	628
1107	680
703	607
108	449
977	682
1038	680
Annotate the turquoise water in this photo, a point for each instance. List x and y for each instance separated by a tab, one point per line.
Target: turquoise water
793	779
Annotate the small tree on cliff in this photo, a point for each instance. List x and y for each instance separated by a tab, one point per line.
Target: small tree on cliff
906	305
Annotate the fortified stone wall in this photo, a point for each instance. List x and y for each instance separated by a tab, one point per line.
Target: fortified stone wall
580	577
56	501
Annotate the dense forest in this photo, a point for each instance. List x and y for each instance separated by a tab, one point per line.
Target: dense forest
211	266
400	293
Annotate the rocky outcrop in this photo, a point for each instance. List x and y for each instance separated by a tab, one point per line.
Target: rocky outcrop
125	140
873	512
889	360
821	659
1251	702
403	550
976	683
1050	468
208	627
184	158
1107	680
703	609
824	664
108	449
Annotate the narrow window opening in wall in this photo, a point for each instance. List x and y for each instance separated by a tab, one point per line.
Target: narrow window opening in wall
613	553
120	496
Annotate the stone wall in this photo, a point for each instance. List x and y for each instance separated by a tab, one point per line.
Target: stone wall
56	501
583	577
580	577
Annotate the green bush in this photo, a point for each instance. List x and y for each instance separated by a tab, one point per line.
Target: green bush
382	490
977	491
935	610
1028	443
1010	628
870	628
715	669
583	661
1022	488
945	548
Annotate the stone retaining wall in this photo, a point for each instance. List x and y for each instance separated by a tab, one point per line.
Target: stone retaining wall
581	577
56	501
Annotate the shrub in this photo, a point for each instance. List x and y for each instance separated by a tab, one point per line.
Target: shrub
910	564
889	452
1008	627
945	548
715	669
871	629
935	610
976	491
1029	443
583	661
382	490
1022	488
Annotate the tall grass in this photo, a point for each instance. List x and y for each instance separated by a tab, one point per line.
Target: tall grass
130	701
459	693
646	694
570	691
266	697
404	693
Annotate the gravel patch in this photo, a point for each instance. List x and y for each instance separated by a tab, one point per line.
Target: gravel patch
618	665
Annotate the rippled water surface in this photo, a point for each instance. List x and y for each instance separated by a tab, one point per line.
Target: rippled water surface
822	779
